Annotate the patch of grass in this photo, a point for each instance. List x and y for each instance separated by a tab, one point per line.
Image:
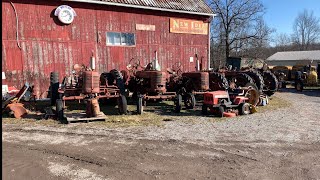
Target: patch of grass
27	121
274	104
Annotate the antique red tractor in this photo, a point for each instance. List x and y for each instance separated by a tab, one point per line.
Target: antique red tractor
220	102
87	85
148	83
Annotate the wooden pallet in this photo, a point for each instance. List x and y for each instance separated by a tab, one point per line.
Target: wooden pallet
75	117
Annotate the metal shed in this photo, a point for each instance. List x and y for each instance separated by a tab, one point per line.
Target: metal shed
35	42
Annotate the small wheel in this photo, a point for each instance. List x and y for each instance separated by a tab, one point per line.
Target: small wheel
122	104
178	103
60	111
189	101
244	109
140	105
299	85
204	109
221	111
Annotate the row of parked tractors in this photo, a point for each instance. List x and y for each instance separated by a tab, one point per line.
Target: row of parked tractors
298	75
221	91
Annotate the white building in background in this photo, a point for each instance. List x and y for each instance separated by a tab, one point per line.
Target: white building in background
291	58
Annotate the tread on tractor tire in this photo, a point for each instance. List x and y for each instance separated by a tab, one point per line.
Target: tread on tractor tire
242	79
119	80
257	78
217	82
271	83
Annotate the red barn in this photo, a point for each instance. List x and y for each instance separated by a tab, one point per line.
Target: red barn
39	37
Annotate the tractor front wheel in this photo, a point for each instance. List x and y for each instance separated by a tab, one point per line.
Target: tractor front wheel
122	104
221	111
244	109
140	104
189	101
178	103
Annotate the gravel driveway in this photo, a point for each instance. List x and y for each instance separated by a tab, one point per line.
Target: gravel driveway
276	144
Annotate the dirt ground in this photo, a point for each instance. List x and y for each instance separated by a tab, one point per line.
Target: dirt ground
274	143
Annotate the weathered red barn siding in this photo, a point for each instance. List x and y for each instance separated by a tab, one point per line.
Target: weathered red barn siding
47	45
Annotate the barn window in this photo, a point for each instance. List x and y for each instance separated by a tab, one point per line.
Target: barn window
120	39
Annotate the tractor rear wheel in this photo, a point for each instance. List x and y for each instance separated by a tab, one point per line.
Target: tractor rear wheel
242	80
244	109
217	82
122	104
271	83
257	78
189	101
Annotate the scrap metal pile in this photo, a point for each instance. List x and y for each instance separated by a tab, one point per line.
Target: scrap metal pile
223	92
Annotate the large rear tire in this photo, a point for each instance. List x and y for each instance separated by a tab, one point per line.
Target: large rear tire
217	82
271	83
258	79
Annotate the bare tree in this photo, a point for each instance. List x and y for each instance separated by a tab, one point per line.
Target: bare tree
234	26
306	29
283	39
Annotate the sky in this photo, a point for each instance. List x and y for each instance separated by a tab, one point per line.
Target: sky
280	14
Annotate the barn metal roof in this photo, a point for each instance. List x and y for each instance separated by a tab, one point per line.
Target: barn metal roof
295	55
198	7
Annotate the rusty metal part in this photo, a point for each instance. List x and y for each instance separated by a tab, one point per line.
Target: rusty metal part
152	81
92	108
196	81
17	110
95	107
91	82
89	109
166	96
